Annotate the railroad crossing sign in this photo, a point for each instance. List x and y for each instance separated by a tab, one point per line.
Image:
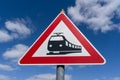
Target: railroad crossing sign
62	43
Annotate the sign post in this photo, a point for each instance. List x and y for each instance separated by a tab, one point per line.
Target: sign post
60	72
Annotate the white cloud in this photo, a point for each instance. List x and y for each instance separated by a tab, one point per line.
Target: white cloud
14	29
3	77
96	13
108	78
47	77
6	67
116	78
4	36
18	28
15	52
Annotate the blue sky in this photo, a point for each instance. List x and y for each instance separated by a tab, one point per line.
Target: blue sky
21	23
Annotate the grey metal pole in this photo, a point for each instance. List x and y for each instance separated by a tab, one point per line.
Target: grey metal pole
60	72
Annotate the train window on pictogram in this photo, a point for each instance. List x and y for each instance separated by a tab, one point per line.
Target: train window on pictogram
72	46
69	45
56	38
75	46
66	43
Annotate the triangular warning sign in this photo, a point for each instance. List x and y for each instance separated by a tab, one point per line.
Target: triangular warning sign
62	43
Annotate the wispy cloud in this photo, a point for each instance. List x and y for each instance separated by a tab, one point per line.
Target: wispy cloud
3	77
15	52
18	27
98	14
116	78
6	67
108	78
14	29
4	36
47	77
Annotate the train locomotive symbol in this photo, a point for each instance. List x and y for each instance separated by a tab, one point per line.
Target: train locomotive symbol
59	45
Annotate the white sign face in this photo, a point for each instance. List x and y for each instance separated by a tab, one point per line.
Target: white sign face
61	29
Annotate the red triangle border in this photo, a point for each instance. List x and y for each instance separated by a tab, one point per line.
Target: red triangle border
95	58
